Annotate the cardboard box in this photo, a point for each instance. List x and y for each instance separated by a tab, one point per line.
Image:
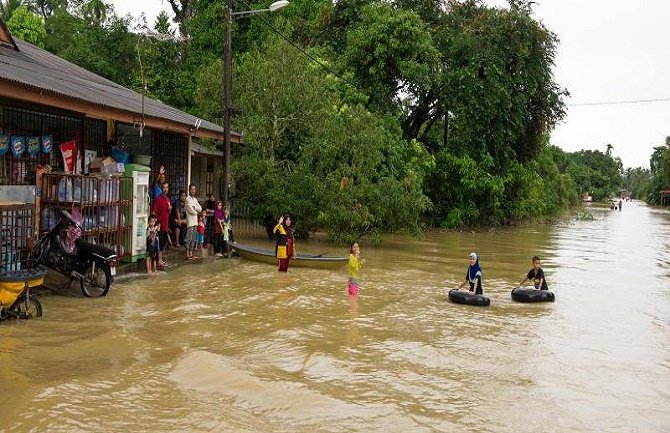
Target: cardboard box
98	163
117	167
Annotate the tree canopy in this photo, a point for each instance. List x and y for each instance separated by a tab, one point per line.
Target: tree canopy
359	116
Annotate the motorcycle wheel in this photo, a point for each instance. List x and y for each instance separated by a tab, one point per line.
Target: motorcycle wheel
97	280
26	310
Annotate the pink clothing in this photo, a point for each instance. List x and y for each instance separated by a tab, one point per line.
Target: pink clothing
353	287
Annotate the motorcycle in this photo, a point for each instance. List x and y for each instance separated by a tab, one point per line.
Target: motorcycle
62	250
16	301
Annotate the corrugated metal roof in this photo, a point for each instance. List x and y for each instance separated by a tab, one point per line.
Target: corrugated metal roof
32	66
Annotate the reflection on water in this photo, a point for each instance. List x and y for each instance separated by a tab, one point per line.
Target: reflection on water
235	346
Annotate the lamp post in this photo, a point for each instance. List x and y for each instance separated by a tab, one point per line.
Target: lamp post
228	84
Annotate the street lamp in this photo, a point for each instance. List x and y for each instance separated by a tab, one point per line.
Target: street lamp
228	84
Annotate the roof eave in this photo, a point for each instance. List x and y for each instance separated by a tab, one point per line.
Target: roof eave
21	91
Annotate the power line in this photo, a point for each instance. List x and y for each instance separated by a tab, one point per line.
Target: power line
297	47
633	101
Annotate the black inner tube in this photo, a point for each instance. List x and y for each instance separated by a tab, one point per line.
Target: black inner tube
520	294
465	297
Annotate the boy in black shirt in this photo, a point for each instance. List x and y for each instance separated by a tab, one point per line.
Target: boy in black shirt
536	275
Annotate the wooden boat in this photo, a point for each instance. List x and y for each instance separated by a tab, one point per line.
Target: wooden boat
267	255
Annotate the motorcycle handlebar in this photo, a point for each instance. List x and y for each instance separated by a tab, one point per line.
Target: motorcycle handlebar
68	216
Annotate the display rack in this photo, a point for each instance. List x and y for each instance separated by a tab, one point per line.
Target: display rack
103	201
16	233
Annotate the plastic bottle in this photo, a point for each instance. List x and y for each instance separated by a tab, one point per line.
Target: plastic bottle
77	189
63	190
68	190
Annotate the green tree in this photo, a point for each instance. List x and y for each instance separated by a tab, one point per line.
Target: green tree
108	50
330	164
27	26
46	8
391	53
660	171
638	182
7	8
596	173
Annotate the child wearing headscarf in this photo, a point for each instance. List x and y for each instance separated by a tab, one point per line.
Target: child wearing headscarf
474	275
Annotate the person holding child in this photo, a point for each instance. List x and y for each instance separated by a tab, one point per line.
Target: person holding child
536	274
473	276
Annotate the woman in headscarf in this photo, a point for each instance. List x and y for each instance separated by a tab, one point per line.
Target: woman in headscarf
285	246
218	229
474	275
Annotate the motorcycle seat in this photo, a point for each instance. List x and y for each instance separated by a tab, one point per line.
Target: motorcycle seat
98	250
23	275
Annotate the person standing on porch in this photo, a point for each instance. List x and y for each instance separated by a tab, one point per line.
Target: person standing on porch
162	208
193	208
157	188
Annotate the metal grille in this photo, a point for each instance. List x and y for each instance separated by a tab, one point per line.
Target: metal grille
171	151
95	136
16	235
26	122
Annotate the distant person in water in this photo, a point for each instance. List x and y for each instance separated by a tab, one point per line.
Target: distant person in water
473	277
620	204
355	263
285	246
536	274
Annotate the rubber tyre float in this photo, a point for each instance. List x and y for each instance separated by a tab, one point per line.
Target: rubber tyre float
520	294
467	298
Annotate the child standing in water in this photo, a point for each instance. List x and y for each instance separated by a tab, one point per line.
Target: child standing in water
537	275
153	245
474	275
355	263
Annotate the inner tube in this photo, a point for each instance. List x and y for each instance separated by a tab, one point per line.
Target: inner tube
464	297
520	294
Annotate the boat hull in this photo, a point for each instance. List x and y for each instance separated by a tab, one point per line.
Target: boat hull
266	255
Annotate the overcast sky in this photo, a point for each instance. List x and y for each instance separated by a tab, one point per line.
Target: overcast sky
610	51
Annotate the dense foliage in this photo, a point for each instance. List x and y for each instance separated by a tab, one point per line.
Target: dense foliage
659	172
359	116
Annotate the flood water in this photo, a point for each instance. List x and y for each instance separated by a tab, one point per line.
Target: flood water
235	346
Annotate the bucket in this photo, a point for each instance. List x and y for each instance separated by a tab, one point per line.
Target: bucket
142	160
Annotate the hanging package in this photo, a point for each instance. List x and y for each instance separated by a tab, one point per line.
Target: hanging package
18	145
4	144
33	146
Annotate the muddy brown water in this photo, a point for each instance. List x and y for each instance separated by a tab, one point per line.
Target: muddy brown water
233	345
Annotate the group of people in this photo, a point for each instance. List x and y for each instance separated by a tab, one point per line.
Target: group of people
473	276
284	234
184	223
195	228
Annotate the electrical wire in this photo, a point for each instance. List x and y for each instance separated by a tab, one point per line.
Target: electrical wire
297	47
634	101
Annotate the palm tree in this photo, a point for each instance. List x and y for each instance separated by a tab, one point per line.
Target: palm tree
608	152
